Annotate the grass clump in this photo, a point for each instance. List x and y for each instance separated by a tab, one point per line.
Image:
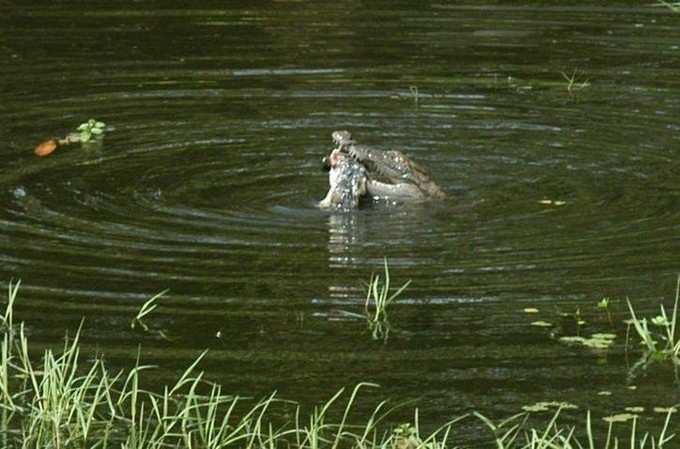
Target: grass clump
574	83
378	300
661	340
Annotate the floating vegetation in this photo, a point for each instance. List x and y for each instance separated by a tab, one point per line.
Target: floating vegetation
91	129
661	340
621	417
541	323
530	310
595	341
46	148
547	406
88	132
378	300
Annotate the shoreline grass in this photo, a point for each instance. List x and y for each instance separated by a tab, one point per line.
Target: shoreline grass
60	401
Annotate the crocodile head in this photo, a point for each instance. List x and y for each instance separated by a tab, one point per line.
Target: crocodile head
342	138
347	181
391	173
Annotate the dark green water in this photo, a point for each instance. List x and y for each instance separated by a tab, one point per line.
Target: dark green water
219	114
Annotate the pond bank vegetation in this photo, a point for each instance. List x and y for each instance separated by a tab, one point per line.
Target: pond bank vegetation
62	400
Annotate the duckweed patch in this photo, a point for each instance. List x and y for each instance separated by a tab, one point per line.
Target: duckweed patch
595	341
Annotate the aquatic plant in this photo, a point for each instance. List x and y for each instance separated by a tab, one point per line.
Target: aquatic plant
662	341
90	131
148	307
378	300
573	82
555	436
414	94
63	402
603	304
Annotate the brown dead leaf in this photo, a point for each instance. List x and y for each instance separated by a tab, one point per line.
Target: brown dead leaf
46	148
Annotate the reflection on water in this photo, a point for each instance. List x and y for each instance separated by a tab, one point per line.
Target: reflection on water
207	182
344	237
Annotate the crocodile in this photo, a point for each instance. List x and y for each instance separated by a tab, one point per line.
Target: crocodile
390	173
347	179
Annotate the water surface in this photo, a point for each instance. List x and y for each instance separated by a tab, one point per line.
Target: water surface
206	184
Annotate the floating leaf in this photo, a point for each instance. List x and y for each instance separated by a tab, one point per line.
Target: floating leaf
635	409
621	417
45	148
665	409
597	344
538	407
544	406
604	393
603	336
572	340
541	324
565	405
632	387
530	310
